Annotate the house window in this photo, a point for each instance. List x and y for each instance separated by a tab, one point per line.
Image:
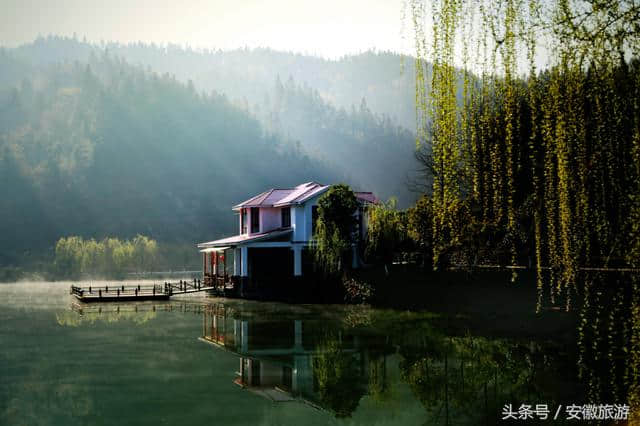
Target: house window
255	220
286	217
243	221
314	219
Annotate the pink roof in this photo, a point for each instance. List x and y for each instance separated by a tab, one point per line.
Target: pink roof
284	197
244	238
367	197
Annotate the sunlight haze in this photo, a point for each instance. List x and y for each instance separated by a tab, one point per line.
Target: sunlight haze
329	28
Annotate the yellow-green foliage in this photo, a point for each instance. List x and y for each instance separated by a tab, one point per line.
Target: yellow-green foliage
387	231
334	228
419	225
75	256
550	161
444	134
546	165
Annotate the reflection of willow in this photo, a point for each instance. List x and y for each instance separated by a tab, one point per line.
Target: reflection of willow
337	377
609	339
357	316
379	387
469	379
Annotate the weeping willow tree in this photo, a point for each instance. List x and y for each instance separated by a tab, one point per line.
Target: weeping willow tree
538	152
536	159
334	228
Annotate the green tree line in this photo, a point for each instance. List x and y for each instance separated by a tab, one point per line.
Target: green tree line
76	257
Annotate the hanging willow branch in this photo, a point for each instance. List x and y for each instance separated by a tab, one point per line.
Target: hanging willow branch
545	167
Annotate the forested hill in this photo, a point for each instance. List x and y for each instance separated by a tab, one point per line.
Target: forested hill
105	148
354	113
93	145
371	148
385	80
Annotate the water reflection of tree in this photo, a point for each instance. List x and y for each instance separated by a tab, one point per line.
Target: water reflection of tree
379	387
73	319
609	340
470	378
337	377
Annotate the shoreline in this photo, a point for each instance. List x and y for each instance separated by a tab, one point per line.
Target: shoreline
484	302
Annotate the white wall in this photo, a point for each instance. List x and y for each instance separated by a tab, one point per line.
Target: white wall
308	215
270	218
297	223
249	214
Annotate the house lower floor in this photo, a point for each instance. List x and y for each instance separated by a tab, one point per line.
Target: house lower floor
264	269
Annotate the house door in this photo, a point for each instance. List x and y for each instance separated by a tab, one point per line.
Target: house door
255	372
287	377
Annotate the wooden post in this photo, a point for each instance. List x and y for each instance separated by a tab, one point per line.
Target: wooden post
224	267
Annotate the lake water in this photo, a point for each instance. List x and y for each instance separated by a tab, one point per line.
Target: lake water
201	360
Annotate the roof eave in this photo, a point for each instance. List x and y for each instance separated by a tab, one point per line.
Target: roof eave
223	243
248	206
320	192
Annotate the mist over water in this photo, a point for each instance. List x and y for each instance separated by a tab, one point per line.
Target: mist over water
176	363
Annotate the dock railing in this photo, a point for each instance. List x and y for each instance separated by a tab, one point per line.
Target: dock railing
139	290
118	290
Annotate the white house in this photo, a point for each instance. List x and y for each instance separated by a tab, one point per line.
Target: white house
274	228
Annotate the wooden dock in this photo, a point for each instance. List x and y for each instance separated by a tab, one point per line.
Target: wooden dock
140	292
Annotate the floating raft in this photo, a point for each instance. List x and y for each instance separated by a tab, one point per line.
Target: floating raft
124	293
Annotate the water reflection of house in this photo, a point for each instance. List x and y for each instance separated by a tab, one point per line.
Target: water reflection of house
277	358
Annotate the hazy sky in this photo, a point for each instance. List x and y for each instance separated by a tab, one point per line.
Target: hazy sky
324	27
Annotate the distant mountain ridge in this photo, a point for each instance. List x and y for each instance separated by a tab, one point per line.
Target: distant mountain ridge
385	80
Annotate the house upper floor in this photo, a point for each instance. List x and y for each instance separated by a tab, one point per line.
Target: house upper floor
288	208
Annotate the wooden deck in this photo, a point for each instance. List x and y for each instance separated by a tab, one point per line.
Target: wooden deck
124	292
